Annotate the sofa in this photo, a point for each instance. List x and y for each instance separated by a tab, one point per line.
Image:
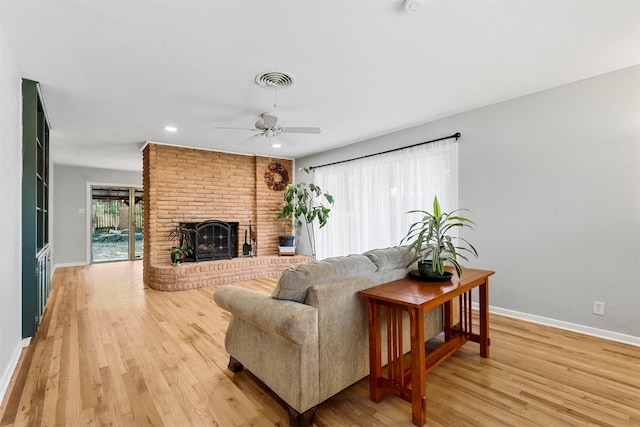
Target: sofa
309	339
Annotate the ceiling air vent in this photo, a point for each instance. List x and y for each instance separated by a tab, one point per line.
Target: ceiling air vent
275	80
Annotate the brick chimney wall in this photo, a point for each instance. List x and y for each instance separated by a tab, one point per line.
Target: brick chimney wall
191	185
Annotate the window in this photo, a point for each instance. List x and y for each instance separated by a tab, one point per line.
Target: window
372	196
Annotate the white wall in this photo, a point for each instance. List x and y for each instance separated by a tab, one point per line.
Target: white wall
10	213
553	181
69	225
554	178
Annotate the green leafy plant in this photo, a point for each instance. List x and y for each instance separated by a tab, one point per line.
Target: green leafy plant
176	254
429	239
305	203
182	234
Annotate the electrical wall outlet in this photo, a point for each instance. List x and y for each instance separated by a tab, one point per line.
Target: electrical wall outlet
598	308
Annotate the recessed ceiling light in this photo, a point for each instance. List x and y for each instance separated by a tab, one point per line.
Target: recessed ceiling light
276	145
171	128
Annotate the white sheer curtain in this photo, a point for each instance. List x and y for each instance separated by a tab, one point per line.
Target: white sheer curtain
372	196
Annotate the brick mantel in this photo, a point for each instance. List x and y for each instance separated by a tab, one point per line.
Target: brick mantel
191	185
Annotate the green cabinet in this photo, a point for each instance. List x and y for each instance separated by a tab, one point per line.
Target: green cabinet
36	255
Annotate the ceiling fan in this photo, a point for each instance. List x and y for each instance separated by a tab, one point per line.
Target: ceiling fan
267	126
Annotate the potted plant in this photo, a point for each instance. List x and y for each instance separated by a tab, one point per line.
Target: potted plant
304	203
183	235
286	240
178	254
432	245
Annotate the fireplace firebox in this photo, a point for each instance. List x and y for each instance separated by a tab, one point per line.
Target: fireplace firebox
212	240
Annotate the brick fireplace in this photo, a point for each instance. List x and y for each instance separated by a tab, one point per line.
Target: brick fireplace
191	185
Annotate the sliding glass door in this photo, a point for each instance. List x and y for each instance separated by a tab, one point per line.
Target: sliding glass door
116	228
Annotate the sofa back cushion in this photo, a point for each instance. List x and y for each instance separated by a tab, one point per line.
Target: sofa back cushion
392	258
297	279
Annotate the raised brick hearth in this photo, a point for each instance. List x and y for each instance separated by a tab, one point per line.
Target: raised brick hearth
190	185
202	274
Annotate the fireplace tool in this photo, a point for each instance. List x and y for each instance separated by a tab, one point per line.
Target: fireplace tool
254	238
246	248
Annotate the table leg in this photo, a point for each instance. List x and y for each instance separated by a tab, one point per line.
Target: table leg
484	318
418	375
375	358
448	320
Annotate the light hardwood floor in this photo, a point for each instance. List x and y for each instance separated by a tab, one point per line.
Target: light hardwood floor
111	352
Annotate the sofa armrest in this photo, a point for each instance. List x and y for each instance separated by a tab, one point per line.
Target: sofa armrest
291	320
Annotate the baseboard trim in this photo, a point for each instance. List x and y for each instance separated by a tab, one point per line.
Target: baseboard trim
5	380
573	327
70	264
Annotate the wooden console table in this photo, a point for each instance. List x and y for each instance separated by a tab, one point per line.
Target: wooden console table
416	297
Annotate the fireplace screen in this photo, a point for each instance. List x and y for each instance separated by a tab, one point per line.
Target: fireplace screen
213	240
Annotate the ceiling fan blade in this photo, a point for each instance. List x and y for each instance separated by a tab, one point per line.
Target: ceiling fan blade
251	138
301	130
232	128
270	119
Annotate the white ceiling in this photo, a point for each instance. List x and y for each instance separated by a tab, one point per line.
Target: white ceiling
113	73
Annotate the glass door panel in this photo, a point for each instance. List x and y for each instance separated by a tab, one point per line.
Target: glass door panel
138	223
116	232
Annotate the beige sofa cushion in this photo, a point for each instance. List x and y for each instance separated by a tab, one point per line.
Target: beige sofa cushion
297	279
393	258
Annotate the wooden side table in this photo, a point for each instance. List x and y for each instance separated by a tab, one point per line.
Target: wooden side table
416	297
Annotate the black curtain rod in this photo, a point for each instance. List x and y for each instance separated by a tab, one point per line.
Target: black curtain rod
455	135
